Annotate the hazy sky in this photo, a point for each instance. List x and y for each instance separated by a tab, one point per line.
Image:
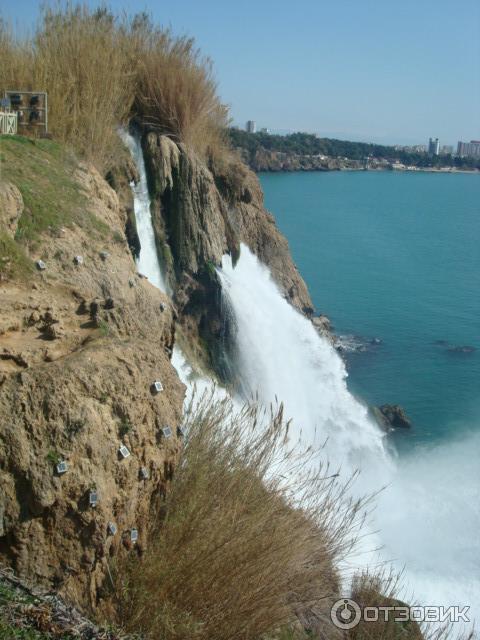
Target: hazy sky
383	70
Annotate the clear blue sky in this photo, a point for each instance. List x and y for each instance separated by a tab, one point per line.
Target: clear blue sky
383	70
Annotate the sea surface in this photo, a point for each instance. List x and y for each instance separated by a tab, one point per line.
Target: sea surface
395	257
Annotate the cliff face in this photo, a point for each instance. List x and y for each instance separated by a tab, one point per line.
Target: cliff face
80	345
200	213
83	336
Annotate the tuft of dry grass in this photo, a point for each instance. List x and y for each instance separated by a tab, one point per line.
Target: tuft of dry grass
383	589
176	92
248	539
100	70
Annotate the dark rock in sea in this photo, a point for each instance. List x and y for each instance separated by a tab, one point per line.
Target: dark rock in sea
347	344
442	343
391	416
462	349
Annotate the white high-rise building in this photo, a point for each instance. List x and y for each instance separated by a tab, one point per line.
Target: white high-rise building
433	147
251	126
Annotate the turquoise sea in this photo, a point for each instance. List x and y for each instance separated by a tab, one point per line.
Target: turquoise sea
395	256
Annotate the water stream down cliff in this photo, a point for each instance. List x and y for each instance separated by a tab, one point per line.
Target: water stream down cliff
279	355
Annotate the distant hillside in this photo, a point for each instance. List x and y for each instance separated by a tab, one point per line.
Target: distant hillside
258	147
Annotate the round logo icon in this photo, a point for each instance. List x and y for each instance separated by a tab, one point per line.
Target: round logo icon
345	613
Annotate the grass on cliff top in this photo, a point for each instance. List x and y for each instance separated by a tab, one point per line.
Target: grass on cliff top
43	171
100	70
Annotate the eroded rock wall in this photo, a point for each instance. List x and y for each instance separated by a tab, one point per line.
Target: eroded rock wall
200	213
80	345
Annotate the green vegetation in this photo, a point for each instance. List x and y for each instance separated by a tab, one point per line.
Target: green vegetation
104	328
43	171
100	71
309	144
14	262
11	628
125	427
53	457
14	632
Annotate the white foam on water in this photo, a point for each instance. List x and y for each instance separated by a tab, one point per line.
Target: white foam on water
428	516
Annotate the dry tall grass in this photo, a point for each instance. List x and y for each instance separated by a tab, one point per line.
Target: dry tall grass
383	588
176	92
100	70
232	558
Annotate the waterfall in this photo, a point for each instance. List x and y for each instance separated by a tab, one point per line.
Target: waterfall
147	263
426	509
280	355
422	513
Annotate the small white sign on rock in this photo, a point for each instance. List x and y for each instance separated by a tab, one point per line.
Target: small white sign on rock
62	467
123	451
157	386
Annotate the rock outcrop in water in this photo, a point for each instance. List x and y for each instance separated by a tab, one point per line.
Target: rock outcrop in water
391	416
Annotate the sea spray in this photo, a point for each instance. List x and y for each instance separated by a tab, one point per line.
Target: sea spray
280	355
426	510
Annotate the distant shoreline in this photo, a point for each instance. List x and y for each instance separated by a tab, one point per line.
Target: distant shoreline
449	170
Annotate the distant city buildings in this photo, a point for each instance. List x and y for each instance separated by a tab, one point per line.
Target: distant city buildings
446	150
433	147
251	126
264	130
416	148
468	149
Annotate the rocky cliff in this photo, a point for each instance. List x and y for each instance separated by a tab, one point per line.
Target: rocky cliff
200	213
83	336
81	342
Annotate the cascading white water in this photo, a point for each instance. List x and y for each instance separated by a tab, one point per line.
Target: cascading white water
421	515
147	263
280	355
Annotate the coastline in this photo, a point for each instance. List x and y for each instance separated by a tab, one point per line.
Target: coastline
446	170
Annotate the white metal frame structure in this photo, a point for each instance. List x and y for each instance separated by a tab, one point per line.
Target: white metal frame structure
8	123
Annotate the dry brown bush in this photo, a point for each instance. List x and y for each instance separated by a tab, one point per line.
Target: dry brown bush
383	588
100	70
250	536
